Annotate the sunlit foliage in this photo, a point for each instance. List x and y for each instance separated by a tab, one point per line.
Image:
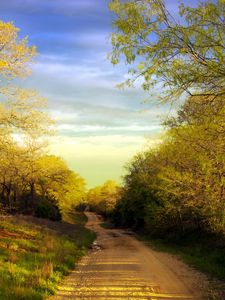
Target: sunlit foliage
182	55
30	180
177	187
15	54
103	198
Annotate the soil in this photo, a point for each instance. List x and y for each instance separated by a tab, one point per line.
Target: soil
119	266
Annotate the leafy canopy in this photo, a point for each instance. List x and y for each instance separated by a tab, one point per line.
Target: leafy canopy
15	54
184	55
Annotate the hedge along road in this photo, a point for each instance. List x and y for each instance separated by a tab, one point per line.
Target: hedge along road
121	267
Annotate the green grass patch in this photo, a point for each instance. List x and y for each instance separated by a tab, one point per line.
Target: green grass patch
35	254
75	217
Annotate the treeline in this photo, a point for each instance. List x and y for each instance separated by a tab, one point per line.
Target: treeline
30	180
103	198
177	187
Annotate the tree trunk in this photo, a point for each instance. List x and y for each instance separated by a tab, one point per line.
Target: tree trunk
32	193
8	194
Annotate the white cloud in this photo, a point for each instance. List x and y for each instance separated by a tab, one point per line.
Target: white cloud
97	128
71	72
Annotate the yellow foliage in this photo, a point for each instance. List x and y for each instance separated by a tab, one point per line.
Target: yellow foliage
15	54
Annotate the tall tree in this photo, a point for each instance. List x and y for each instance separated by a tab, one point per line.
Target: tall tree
23	118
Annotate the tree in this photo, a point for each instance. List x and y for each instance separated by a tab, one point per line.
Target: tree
23	120
140	197
30	180
184	55
198	140
15	54
20	109
54	178
179	186
103	198
23	125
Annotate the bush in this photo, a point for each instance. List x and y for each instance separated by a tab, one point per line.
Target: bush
48	208
81	207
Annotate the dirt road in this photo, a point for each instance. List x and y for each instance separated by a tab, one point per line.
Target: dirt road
121	267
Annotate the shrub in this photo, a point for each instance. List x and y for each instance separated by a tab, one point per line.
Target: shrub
48	208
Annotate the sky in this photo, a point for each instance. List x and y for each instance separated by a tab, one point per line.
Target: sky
99	127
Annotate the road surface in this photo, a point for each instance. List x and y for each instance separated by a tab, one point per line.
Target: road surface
121	267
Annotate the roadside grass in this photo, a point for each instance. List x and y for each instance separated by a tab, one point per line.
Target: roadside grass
199	252
35	254
74	217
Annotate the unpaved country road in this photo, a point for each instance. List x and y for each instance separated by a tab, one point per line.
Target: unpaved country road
125	268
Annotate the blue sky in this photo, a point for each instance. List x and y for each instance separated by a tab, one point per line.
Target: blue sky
99	126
